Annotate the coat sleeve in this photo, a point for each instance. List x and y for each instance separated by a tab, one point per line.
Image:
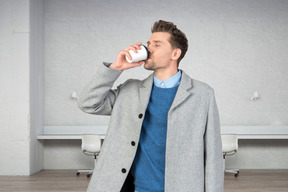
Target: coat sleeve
98	97
214	173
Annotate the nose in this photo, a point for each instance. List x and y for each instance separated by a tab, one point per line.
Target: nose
149	47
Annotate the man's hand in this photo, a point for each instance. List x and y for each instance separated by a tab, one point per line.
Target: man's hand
121	63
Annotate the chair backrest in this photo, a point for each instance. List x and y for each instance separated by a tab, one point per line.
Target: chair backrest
229	142
91	143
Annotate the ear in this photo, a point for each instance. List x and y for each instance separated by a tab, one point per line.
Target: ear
176	54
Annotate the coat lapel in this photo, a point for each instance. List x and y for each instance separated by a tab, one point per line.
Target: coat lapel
183	91
145	92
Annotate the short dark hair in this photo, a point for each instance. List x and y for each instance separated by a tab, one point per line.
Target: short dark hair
178	38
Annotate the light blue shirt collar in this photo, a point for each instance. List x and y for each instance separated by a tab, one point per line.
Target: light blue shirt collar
168	83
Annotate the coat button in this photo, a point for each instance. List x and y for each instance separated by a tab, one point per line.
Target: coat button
133	143
123	170
140	115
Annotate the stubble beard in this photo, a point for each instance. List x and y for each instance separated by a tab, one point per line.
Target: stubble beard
150	66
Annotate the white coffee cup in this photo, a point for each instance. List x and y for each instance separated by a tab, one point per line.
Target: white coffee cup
142	55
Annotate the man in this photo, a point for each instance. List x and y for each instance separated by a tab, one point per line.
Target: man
164	132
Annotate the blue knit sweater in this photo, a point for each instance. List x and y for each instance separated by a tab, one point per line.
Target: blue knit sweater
148	167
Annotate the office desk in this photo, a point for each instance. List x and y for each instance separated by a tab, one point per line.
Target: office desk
244	132
62	136
257	132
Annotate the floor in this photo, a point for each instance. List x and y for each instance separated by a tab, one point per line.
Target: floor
257	180
66	180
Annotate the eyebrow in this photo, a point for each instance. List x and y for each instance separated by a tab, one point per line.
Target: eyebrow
155	41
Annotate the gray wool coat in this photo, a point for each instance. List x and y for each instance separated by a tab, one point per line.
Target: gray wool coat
193	148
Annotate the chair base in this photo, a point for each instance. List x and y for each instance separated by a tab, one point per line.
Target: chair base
235	171
89	171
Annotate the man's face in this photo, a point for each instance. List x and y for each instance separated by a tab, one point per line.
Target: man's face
160	51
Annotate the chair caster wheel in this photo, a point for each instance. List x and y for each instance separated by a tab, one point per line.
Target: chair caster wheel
77	173
236	174
88	175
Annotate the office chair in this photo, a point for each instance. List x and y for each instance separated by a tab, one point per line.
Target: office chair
229	147
91	145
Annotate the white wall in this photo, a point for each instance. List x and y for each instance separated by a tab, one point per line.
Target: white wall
14	86
22	86
260	154
36	84
66	154
235	46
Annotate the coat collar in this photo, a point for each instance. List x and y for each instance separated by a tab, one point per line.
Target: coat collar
184	90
